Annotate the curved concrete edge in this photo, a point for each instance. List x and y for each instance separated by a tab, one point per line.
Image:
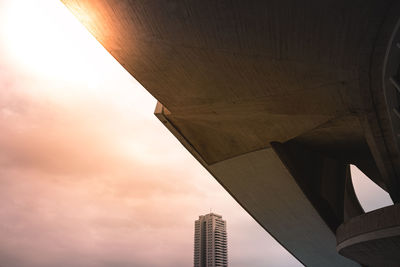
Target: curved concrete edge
379	234
370	222
372	238
263	186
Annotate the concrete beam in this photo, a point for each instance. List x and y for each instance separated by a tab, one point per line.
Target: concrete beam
265	188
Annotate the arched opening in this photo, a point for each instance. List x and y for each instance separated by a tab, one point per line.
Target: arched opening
370	195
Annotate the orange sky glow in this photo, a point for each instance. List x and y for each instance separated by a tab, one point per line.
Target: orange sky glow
88	175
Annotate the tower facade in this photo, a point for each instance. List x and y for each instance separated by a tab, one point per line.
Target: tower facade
210	241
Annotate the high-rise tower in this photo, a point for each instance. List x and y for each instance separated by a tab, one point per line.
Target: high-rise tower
210	241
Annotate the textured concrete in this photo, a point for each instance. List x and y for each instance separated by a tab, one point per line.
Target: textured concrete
268	191
372	238
304	79
236	72
264	187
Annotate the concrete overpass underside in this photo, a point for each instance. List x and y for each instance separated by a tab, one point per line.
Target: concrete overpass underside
275	98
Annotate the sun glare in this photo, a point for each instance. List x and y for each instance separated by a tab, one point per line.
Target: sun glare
44	38
42	41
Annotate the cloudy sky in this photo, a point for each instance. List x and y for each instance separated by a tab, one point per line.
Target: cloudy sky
88	175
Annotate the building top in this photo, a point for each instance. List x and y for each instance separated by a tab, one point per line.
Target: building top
210	214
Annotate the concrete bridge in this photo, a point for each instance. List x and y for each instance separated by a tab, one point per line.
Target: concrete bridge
276	99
